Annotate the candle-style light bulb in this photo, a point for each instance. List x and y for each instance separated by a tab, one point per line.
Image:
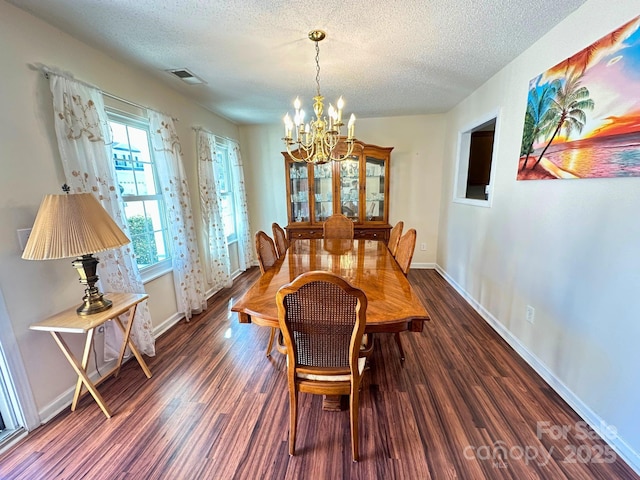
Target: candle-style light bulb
340	107
351	127
331	114
287	126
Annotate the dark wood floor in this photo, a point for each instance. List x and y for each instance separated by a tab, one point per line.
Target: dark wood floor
463	405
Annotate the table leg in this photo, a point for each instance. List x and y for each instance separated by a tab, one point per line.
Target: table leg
127	342
333	403
82	374
88	344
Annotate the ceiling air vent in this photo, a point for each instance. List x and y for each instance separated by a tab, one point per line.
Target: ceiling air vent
186	76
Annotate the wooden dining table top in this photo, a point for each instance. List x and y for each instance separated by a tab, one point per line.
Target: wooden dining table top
368	265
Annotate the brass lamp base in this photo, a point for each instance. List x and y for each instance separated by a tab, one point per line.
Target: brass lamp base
93	304
93	301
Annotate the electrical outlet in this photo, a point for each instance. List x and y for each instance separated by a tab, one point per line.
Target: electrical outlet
423	246
531	314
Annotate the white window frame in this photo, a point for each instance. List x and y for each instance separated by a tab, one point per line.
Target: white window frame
223	150
462	164
162	267
18	407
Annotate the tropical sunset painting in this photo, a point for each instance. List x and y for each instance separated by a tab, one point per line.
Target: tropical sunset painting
583	115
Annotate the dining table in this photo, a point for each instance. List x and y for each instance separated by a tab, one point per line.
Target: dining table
392	304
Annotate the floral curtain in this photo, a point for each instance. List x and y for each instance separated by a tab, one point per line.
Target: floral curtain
245	247
84	141
216	256
187	269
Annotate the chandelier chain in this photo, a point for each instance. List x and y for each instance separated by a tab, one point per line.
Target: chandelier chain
318	68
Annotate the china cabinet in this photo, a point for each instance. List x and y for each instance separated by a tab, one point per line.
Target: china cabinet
357	187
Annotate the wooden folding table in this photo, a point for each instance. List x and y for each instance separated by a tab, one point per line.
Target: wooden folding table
69	321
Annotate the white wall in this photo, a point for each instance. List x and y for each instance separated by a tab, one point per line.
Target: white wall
416	171
264	176
31	168
569	248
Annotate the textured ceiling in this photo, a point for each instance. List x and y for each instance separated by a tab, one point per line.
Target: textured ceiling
385	57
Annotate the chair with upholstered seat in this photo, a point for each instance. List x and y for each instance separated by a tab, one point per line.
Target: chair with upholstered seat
394	237
404	254
337	226
280	239
322	319
267	257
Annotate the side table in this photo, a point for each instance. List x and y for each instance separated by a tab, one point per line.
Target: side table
69	321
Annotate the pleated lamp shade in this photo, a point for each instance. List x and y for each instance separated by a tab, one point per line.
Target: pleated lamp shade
72	225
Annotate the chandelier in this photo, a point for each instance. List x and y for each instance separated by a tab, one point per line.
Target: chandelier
316	141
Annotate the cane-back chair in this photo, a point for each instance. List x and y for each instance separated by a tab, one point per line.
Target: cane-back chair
394	237
406	246
404	254
280	239
267	257
337	226
322	319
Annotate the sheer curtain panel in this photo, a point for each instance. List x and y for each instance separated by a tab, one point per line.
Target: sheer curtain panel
188	275
84	141
216	255
245	246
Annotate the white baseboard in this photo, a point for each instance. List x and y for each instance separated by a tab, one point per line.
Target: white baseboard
167	324
13	438
423	266
596	422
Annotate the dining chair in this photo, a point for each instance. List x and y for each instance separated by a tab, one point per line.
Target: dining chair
280	239
322	319
267	257
404	254
337	226
394	237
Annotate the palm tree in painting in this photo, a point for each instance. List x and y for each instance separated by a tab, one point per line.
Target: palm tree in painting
537	116
567	111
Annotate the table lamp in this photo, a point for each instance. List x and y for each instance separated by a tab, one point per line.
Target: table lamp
75	225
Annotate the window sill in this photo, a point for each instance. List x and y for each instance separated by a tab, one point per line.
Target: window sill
156	271
474	202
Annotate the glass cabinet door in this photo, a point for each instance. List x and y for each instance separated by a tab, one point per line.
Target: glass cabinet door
375	189
350	187
323	191
299	191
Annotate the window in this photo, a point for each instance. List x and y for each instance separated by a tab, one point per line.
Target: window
475	162
138	183
224	179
